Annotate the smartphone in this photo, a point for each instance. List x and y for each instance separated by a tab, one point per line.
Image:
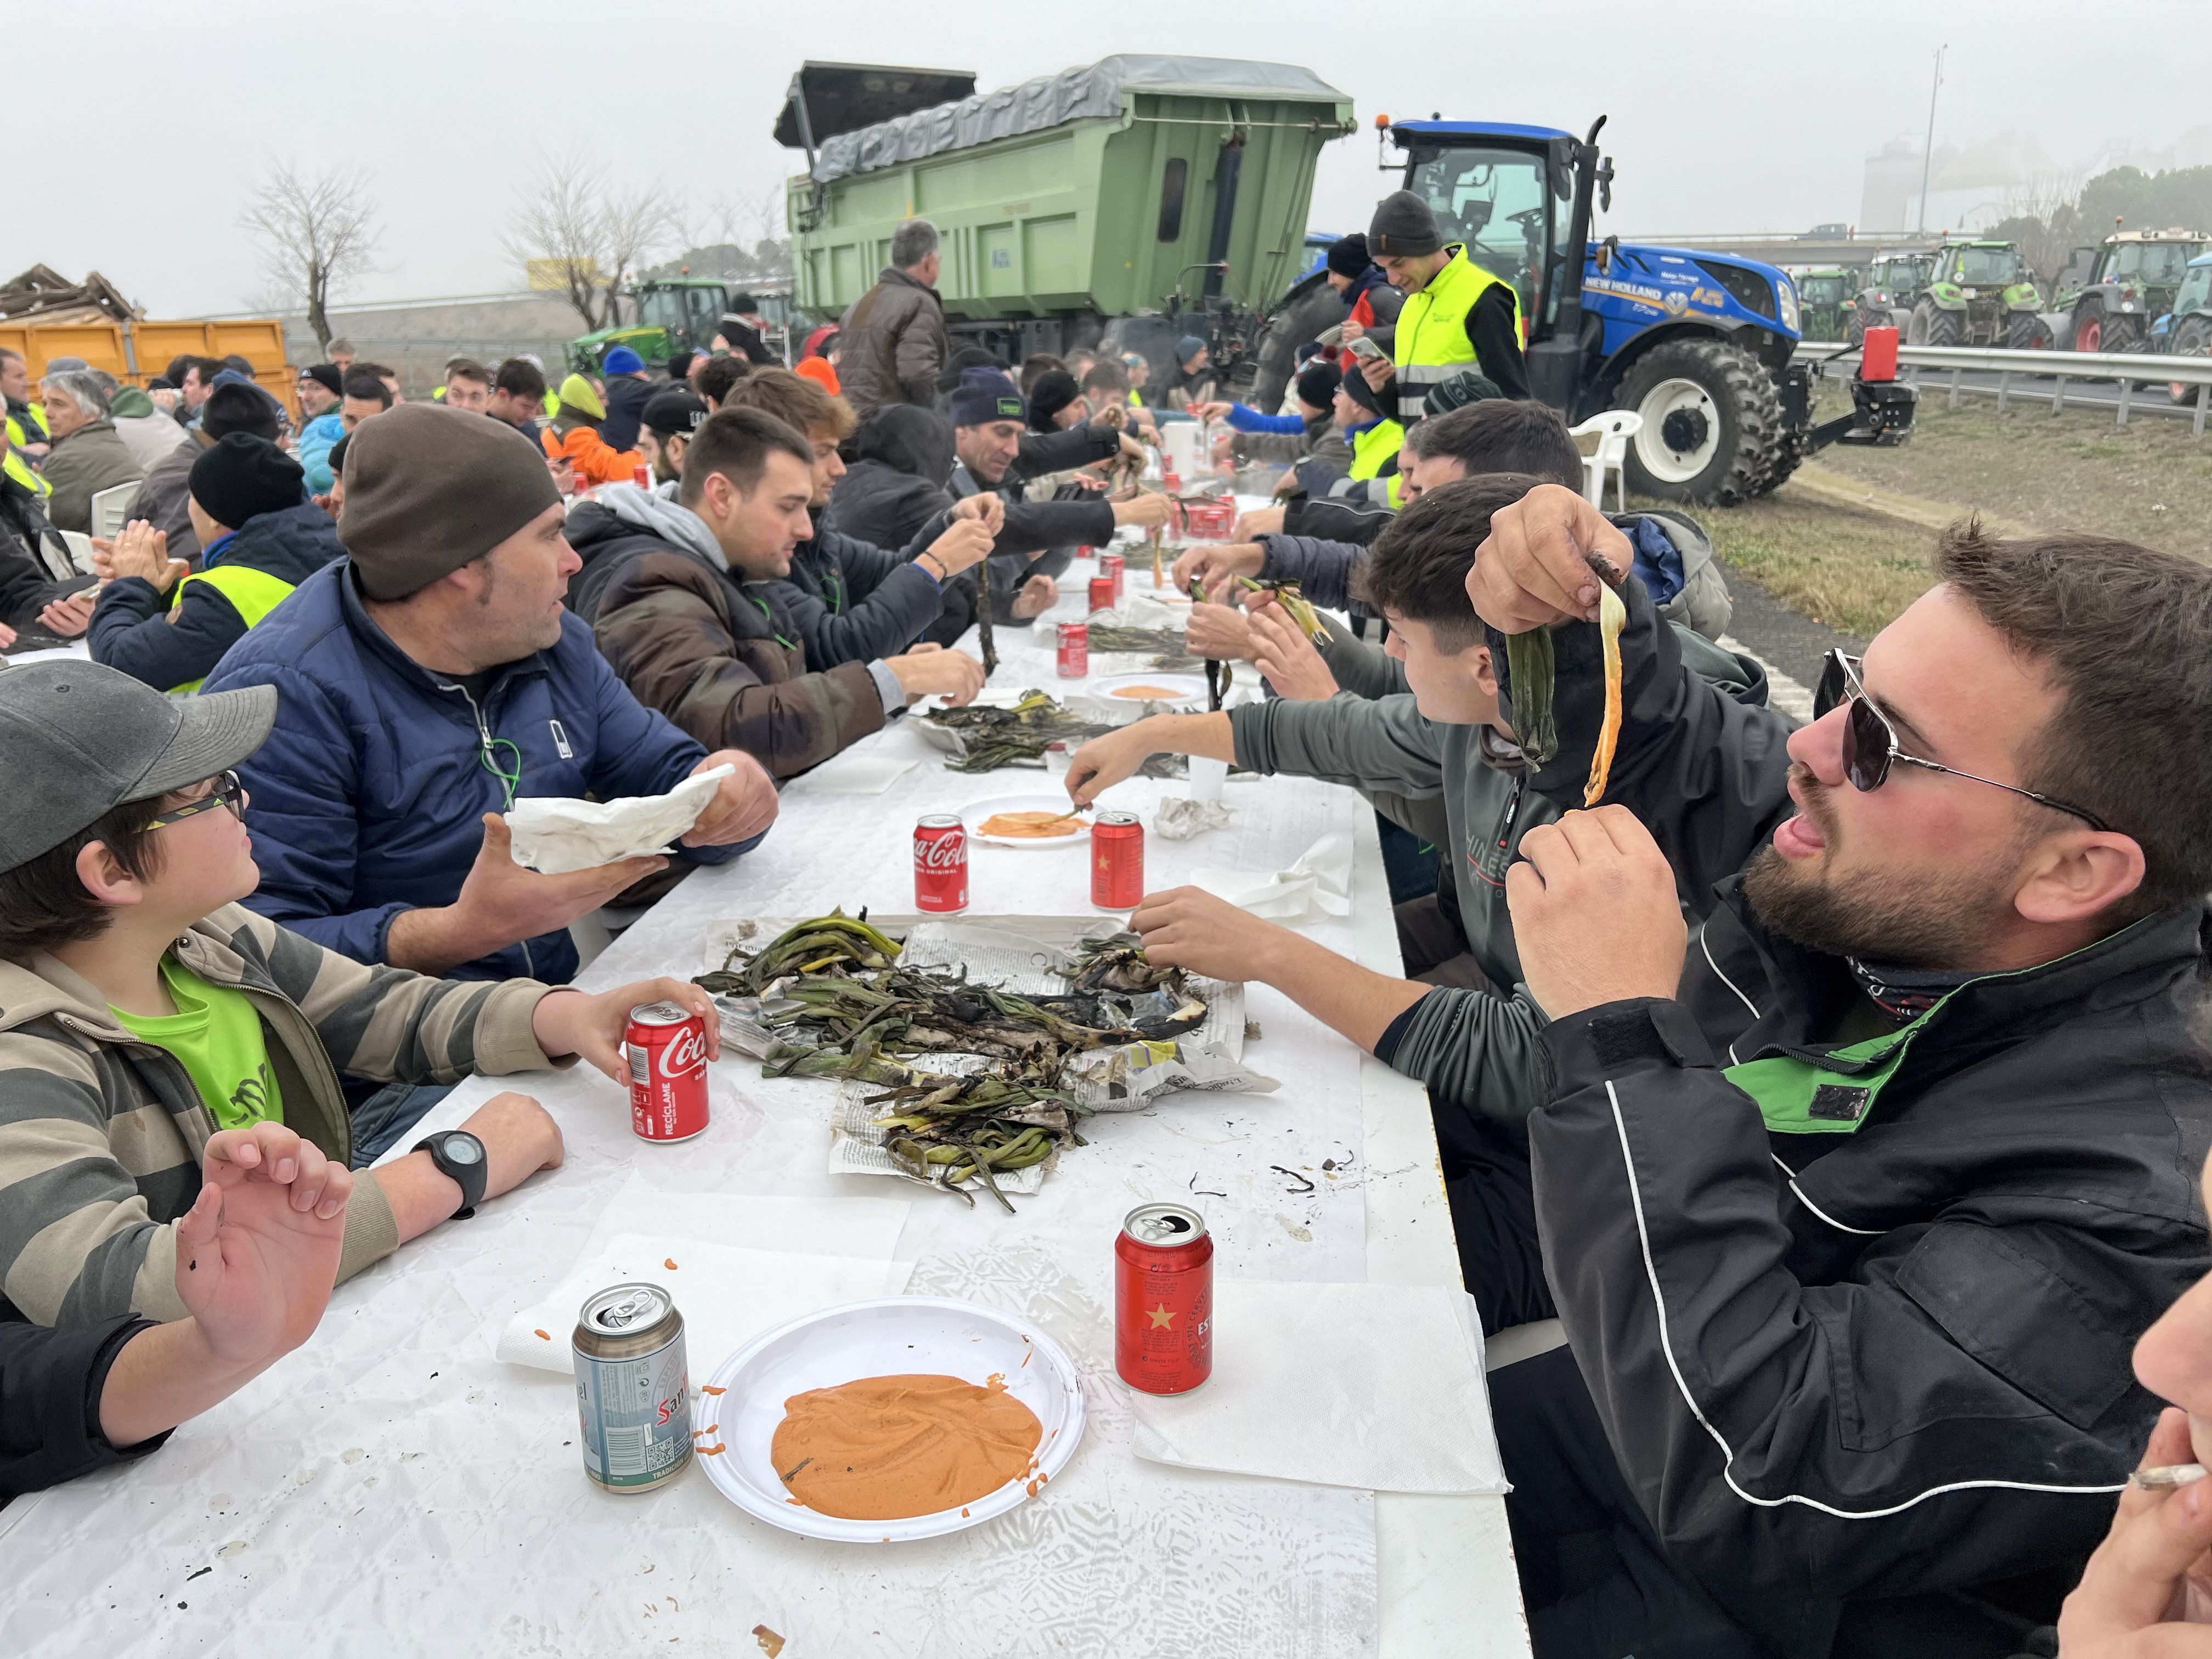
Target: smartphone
1363	347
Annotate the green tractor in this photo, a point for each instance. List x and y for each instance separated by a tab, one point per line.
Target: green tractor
673	314
1825	300
1893	283
1980	293
2129	284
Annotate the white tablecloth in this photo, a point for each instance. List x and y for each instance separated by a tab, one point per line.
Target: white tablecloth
394	1484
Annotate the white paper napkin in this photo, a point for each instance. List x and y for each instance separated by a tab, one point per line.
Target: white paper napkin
857	775
1377	1386
1318	884
728	1296
555	835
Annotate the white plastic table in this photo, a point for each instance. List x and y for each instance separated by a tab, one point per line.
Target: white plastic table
391	1487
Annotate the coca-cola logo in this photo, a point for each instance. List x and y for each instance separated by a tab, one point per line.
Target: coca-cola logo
945	852
686	1054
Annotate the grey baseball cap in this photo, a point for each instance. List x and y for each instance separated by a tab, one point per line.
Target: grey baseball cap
77	738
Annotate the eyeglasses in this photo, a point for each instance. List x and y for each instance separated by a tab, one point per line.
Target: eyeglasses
1870	741
228	790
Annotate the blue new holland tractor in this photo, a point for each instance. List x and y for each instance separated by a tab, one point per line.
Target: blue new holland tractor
1699	344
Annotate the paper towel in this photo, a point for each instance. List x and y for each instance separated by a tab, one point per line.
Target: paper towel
1318	884
553	834
1377	1386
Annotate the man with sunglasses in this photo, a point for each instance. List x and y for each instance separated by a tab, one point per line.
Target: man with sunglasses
1854	1193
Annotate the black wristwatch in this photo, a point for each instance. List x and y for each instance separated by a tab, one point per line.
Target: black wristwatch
459	1156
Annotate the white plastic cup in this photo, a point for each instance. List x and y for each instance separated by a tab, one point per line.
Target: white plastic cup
1207	776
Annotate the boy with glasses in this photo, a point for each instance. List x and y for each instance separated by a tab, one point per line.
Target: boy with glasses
143	1009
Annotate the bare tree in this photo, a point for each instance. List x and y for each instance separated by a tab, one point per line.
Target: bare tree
2041	215
317	232
589	229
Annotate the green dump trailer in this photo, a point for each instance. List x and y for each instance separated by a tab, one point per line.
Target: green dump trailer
1140	186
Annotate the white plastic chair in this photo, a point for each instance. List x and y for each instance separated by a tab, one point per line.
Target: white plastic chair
110	510
1613	429
80	547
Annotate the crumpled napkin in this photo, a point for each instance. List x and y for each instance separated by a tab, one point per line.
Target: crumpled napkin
553	833
1377	1386
1318	884
1177	819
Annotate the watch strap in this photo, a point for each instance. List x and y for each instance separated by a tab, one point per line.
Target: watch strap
469	1177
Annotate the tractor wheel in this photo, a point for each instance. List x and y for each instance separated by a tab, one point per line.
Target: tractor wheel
2193	339
2089	325
2024	331
1712	422
1916	325
1942	327
1855	331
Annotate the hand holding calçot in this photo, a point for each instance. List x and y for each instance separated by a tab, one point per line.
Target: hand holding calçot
1285	656
2143	1594
1533	570
1595	917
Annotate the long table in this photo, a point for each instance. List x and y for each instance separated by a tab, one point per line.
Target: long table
391	1486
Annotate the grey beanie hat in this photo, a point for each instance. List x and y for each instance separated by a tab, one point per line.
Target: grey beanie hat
1402	226
77	738
427	489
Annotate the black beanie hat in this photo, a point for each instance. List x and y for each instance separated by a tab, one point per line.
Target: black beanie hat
985	395
1052	391
325	375
241	477
1347	255
238	408
1318	384
1403	226
1356	388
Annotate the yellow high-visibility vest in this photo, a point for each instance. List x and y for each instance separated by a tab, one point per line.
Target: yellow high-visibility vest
1430	345
253	593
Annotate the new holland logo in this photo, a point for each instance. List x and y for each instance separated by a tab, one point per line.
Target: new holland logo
1676	302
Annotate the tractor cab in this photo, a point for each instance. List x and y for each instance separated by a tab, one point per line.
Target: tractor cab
1825	300
1504	190
672	314
1979	294
2125	286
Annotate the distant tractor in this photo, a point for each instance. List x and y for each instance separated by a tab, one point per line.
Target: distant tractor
679	313
1825	301
1893	283
2185	331
1980	293
2130	282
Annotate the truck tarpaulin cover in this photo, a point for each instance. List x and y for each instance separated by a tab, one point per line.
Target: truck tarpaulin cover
1072	95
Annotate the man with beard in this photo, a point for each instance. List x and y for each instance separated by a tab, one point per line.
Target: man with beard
1852	1203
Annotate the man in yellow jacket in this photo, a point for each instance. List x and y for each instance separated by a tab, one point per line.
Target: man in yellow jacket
1457	316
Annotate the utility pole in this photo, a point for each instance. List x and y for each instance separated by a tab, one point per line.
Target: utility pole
1927	152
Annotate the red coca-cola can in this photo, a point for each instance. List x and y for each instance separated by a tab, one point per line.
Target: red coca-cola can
641	475
1074	650
1117	862
1102	595
1110	566
1163	1299
940	863
666	1044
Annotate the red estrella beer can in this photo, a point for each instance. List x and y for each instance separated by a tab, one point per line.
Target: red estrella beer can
641	475
666	1044
940	863
1109	565
1117	862
1163	1299
1102	596
1074	650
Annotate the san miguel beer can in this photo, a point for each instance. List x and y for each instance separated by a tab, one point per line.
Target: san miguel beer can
1117	862
1074	650
1163	1299
1101	594
667	1047
1110	565
940	863
633	1388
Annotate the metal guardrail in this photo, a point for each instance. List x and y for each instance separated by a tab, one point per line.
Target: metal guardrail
2123	367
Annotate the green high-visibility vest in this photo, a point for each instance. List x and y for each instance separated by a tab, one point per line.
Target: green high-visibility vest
1374	446
1430	345
253	593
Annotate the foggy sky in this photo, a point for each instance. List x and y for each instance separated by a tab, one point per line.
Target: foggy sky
1724	116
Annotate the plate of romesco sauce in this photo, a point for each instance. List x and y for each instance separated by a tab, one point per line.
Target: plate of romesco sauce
878	1404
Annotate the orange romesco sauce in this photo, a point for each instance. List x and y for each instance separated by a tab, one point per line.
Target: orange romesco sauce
887	1447
1148	693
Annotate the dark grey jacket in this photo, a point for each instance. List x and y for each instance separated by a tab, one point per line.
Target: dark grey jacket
892	344
1858	1320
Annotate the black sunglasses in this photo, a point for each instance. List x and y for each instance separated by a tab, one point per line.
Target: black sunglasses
228	791
1870	741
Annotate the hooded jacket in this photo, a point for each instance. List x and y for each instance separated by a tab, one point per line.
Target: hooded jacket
316	439
1374	305
173	640
146	432
627	397
100	1145
892	344
724	661
1856	1317
90	459
854	601
369	795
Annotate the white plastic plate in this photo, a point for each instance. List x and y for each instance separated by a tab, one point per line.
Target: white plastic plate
890	1336
1182	689
1079	828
